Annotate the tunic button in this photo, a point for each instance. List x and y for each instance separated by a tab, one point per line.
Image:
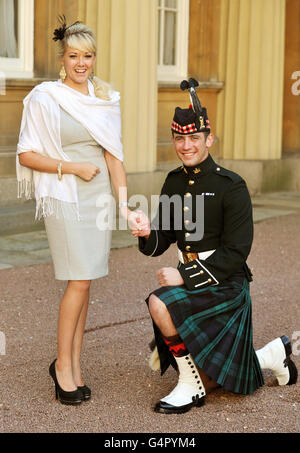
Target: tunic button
191	182
187	222
188	247
209	280
186	208
194	266
201	272
188	194
218	168
187	235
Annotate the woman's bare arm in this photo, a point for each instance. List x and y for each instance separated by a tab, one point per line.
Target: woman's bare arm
119	181
118	176
36	161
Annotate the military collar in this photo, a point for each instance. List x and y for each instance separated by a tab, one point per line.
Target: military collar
203	168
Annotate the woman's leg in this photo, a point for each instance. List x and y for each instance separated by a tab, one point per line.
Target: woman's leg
77	343
71	307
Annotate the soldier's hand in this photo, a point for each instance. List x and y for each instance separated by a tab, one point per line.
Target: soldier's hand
169	276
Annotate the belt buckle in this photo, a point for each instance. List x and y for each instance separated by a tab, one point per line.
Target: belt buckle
188	257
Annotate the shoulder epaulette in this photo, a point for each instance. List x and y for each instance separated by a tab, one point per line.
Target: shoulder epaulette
227	173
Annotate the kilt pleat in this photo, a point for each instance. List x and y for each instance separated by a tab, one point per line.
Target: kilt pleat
215	324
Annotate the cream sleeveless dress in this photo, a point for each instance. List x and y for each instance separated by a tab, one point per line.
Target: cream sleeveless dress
79	249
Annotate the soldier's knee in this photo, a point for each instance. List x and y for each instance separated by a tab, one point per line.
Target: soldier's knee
156	307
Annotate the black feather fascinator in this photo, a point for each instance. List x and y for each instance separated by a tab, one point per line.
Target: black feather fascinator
59	33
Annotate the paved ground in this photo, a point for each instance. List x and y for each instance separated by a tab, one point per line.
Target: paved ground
119	329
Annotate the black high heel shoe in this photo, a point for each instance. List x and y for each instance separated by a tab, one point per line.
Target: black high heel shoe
86	391
74	397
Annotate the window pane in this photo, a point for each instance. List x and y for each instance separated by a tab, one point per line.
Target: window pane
169	38
16	11
9	28
171	3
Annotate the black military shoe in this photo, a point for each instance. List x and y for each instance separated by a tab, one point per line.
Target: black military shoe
292	369
165	408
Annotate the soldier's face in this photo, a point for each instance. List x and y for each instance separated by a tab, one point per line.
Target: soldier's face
191	149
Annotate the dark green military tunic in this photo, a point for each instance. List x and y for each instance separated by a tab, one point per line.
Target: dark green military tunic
212	310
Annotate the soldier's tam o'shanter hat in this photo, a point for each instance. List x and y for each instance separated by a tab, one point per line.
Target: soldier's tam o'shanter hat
186	121
193	119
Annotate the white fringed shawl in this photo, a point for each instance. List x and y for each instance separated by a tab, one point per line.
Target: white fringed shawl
40	132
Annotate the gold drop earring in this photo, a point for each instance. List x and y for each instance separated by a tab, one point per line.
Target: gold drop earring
62	73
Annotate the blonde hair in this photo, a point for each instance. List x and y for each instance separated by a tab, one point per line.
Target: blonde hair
80	36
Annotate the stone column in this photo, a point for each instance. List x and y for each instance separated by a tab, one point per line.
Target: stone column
251	63
127	58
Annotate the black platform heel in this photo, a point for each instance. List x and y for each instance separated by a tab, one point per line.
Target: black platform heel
73	398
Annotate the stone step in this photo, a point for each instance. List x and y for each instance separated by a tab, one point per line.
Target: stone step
9	192
281	200
7	161
19	218
16	215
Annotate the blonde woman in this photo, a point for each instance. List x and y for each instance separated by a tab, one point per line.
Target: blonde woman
69	149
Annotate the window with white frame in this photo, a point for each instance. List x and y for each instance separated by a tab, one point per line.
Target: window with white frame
16	38
173	29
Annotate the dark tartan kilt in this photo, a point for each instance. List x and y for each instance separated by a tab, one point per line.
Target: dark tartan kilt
215	324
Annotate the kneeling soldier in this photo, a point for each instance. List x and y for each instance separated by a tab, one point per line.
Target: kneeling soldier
202	311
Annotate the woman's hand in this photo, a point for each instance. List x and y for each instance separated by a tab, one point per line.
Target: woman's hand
86	170
133	220
142	228
132	217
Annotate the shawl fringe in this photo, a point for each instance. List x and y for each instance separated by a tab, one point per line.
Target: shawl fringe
48	206
26	189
